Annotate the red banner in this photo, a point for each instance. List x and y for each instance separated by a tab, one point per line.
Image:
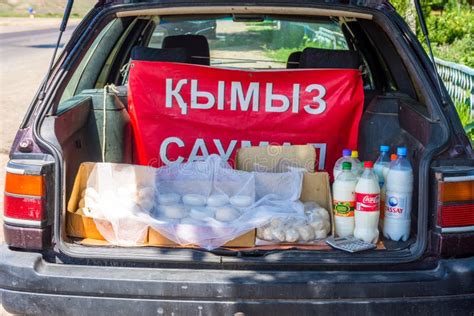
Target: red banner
184	112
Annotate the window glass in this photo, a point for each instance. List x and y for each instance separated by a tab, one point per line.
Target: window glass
265	44
71	88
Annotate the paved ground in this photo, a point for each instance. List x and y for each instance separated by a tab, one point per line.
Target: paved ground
9	25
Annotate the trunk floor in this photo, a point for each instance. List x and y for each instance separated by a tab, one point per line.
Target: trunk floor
319	246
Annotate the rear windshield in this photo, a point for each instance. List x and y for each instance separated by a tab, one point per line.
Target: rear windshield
256	44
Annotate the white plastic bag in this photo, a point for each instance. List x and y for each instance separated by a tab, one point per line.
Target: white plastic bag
312	225
204	203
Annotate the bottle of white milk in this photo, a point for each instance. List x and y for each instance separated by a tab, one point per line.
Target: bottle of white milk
383	189
382	160
367	211
343	190
357	167
398	198
346	156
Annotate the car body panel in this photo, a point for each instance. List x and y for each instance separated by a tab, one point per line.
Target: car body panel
27	278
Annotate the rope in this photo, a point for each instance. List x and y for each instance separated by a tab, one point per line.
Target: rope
107	89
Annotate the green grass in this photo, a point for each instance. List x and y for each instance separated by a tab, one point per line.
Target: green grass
465	116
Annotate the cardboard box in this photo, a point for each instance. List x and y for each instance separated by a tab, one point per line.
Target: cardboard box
81	226
276	158
246	240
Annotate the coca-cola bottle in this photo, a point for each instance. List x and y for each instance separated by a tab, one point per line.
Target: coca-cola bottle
367	210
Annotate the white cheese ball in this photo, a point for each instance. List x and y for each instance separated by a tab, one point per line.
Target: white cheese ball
200	214
320	234
241	201
169	198
267	233
278	234
322	212
82	203
216	200
127	192
326	226
260	231
306	233
276	223
146	193
317	222
87	212
227	214
90	202
91	193
146	204
190	221
176	211
291	235
194	199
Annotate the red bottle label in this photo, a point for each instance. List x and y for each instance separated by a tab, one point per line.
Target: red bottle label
367	202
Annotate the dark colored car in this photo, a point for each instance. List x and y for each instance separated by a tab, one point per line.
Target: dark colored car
45	271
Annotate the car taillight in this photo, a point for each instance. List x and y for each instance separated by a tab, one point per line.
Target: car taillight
456	204
453	230
24	199
27	213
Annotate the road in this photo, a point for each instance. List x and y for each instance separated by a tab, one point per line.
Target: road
24	59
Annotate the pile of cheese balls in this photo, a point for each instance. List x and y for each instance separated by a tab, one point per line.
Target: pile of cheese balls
118	203
194	208
314	224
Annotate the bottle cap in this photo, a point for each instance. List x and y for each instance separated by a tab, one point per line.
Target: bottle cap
368	164
355	154
384	149
401	151
346	152
393	157
346	165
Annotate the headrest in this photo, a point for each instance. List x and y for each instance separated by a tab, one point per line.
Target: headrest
293	60
329	58
177	55
196	47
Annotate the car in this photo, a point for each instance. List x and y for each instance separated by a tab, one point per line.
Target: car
45	270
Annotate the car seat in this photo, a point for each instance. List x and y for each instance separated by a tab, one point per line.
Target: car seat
293	60
196	47
177	55
329	58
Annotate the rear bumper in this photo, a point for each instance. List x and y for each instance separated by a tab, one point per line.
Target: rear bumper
29	285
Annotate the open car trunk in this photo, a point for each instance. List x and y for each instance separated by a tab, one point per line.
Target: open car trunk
395	112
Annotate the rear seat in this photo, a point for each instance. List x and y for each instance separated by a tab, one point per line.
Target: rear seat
293	60
329	58
196	47
177	54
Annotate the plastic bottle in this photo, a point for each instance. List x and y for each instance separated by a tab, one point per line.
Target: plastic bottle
386	168
346	156
382	160
343	190
367	210
383	190
357	166
398	198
